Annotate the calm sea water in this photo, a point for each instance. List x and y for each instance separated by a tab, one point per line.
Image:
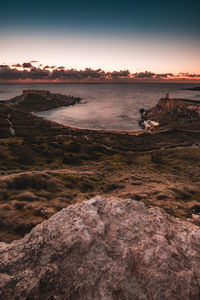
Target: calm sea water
104	106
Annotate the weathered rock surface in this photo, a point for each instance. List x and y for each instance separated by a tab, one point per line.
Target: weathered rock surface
104	249
179	104
182	109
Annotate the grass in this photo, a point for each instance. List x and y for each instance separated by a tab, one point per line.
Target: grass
121	165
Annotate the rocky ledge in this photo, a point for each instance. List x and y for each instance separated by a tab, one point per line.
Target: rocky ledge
38	100
104	249
176	113
175	105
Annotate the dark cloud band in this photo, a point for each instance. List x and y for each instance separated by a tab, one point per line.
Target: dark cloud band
50	73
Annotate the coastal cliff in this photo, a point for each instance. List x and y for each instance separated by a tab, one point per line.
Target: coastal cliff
38	100
175	105
104	249
176	113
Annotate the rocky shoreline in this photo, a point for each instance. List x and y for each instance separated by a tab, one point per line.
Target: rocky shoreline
172	113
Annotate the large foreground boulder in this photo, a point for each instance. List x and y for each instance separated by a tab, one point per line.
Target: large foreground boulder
104	249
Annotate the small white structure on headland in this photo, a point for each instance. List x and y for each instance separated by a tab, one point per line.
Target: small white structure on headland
149	125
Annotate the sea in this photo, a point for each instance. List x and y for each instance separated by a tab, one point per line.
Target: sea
113	106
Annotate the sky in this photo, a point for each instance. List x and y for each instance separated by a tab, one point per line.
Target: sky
155	36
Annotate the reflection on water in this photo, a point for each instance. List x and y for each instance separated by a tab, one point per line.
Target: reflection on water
104	106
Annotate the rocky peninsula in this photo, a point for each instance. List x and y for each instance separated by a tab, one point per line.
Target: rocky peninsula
138	240
38	100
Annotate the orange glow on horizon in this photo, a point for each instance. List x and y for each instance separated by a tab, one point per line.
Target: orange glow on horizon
73	50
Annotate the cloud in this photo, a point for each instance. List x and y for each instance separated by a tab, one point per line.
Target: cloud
4	66
145	75
37	73
50	73
62	74
17	65
119	74
151	75
51	67
188	75
7	73
164	75
27	65
87	74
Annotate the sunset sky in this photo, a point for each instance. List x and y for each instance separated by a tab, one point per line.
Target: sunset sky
154	36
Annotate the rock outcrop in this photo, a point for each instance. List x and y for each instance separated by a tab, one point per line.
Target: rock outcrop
196	88
104	249
178	105
37	100
180	111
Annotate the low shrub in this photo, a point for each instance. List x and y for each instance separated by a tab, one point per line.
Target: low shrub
37	182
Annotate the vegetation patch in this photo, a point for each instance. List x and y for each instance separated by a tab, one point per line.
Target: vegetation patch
37	182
